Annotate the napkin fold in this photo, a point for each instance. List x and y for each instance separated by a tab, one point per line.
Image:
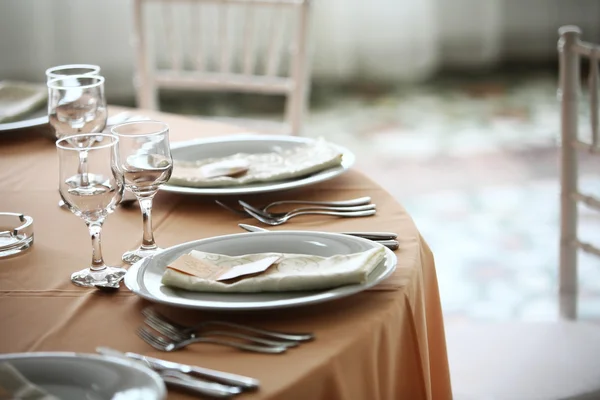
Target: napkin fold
263	167
294	272
19	98
15	385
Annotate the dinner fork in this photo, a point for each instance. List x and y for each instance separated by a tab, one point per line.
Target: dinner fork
267	214
155	324
359	201
178	329
165	344
284	219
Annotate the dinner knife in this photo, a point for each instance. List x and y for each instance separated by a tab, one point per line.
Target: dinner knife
181	372
364	235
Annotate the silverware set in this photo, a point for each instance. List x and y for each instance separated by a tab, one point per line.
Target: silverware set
166	335
358	207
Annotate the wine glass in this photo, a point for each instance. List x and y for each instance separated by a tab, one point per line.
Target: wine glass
61	71
144	159
76	104
91	194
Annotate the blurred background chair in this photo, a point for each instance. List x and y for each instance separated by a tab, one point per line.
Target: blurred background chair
550	360
225	46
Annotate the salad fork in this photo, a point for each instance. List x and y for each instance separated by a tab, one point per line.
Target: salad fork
164	344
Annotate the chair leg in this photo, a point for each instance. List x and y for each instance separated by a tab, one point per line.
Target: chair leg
569	91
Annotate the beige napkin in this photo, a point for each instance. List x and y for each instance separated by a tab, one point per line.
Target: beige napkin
13	385
19	98
266	167
294	272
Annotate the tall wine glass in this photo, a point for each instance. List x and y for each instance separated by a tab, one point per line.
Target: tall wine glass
144	159
91	194
76	104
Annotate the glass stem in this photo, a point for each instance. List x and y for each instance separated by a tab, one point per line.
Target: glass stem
95	229
146	207
82	170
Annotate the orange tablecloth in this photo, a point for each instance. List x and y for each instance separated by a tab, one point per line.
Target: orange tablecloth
386	343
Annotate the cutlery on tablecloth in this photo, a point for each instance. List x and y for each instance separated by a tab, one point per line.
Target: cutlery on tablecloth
180	332
180	379
167	344
244	382
341	203
384	238
284	219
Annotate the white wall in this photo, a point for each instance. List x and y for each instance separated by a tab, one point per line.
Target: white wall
387	40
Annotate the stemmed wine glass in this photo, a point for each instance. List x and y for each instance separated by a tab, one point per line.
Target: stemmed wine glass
144	159
91	194
76	104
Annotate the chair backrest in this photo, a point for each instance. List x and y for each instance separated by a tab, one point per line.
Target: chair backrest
224	45
571	50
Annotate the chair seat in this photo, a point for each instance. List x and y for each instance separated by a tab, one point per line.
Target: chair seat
524	361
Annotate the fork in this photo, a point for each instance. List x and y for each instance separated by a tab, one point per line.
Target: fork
190	331
342	203
153	323
164	344
267	214
284	219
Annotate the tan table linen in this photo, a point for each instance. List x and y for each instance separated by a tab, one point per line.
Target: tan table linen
386	343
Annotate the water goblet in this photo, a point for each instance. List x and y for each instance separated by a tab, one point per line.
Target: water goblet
144	159
91	194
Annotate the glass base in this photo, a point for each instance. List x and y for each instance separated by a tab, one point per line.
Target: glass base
133	256
108	277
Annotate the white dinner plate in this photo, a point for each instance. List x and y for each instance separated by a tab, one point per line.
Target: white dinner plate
37	118
30	102
251	144
87	376
144	277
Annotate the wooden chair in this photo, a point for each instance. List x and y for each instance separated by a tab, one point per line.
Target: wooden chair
243	63
553	360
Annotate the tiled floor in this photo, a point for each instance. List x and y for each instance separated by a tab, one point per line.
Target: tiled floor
476	165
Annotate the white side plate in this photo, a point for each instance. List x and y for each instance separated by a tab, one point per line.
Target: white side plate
252	144
87	376
144	277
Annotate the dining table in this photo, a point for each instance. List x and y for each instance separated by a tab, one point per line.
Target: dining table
386	342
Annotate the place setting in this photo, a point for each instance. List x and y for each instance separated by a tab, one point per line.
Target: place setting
103	160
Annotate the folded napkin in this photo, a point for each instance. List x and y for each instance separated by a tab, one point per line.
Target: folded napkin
264	167
19	98
13	385
293	272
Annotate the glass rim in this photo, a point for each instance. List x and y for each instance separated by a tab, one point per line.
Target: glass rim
52	83
51	72
165	128
114	140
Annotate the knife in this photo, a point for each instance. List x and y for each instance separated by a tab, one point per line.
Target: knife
178	374
376	236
